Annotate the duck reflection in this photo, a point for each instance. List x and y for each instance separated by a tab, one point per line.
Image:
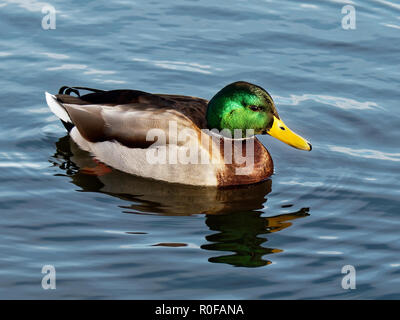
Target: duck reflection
234	213
240	233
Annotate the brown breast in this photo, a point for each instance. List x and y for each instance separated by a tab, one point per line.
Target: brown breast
258	165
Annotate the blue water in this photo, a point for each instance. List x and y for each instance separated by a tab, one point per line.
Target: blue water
119	236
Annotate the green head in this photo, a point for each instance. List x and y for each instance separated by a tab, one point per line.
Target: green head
242	105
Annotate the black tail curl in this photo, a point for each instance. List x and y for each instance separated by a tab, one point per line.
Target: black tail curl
68	90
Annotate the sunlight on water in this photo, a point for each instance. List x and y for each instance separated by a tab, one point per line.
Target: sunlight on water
180	65
338	102
368	154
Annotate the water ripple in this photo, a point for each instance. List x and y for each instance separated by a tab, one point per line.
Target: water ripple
367	153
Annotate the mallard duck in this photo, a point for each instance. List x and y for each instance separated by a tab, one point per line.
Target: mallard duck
130	130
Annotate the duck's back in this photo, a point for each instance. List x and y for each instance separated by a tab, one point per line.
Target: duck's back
127	115
193	108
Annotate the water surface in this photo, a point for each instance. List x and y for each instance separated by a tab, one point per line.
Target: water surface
119	236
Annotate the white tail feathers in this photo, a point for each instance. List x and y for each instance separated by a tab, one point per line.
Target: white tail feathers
57	108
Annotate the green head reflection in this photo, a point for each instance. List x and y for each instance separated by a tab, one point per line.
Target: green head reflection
242	234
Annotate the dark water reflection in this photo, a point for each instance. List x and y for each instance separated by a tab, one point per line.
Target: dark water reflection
233	213
241	233
338	88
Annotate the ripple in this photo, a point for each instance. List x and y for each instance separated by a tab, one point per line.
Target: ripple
309	6
110	81
339	102
328	237
56	56
330	252
367	153
302	183
68	67
389	4
343	1
97	71
20	165
394	26
180	65
30	5
5	54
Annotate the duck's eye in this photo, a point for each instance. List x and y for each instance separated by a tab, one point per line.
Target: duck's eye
282	128
255	108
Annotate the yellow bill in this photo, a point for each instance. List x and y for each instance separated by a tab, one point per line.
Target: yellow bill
281	132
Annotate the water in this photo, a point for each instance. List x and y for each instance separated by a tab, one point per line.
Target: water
118	236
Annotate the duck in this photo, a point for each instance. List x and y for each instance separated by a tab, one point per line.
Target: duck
176	138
